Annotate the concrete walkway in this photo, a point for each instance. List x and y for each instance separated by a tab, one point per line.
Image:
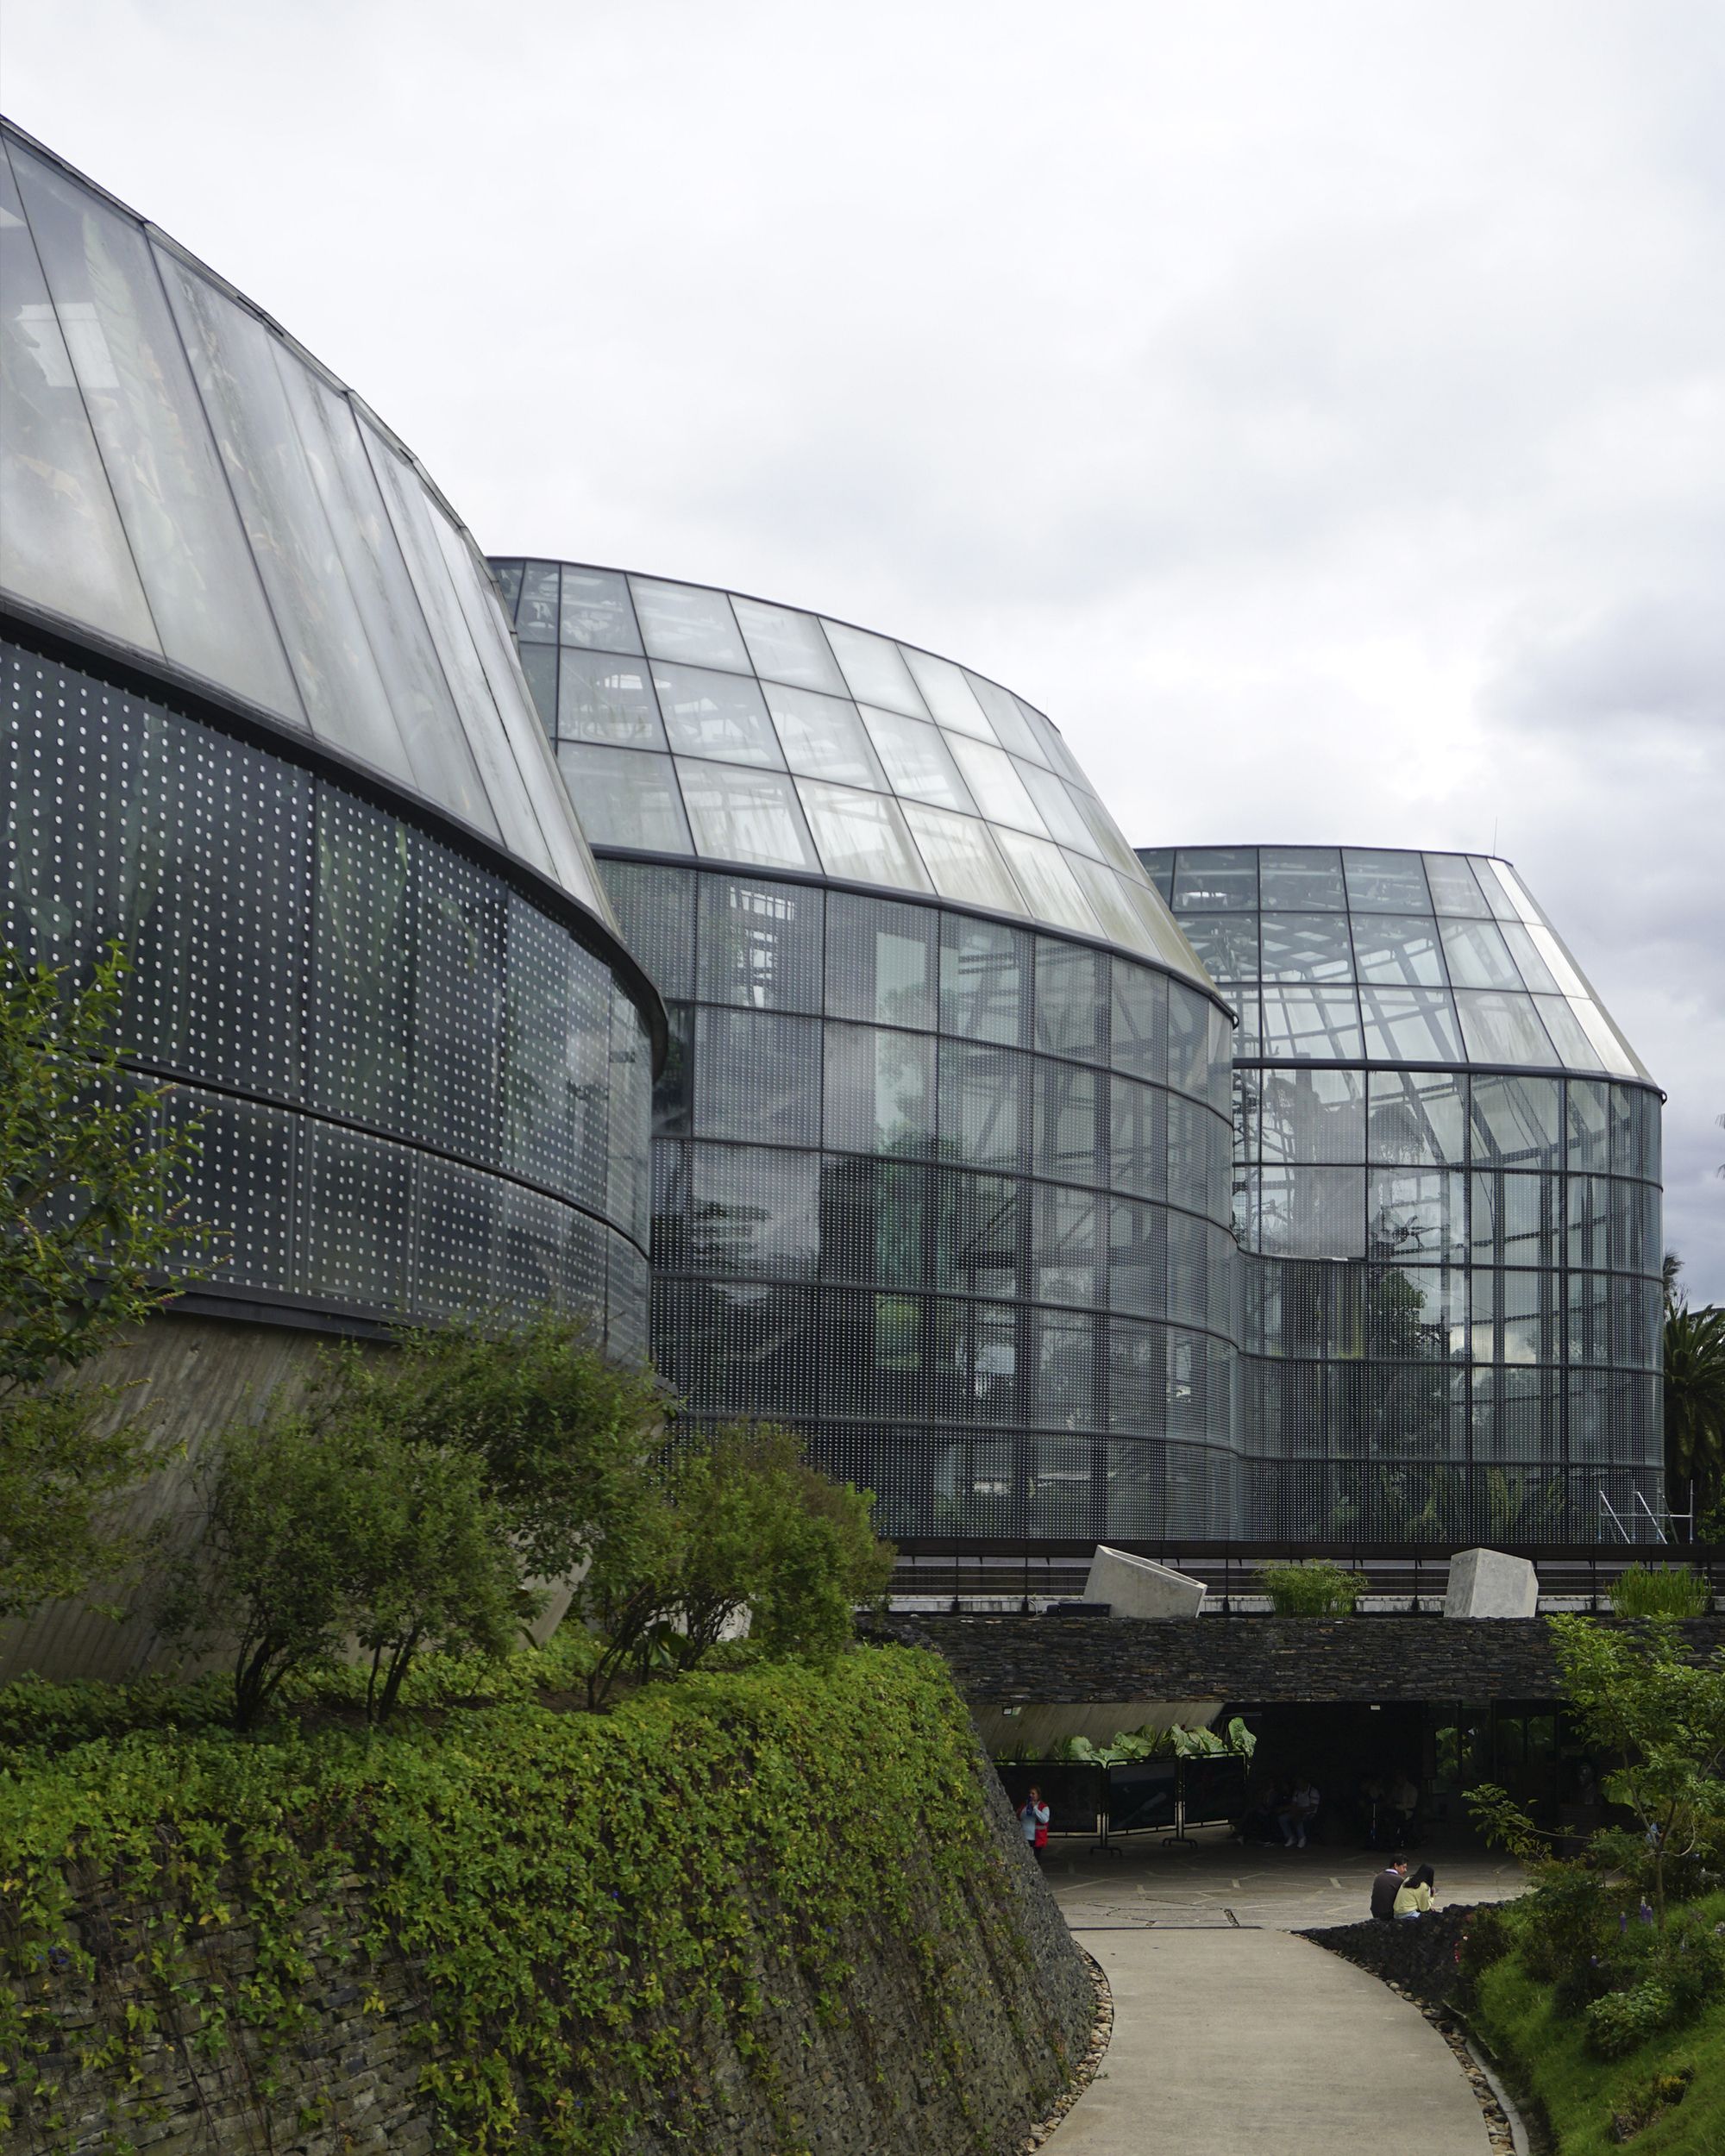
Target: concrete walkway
1256	2043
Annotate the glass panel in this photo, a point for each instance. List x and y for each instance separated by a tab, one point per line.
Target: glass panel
1417	1214
996	787
233	357
596	612
861	836
879	1090
760	944
1138	1038
1107	896
1312	1212
1213	877
1417	1116
1071	1000
1613	1051
1516	1122
962	858
1477	955
61	544
1226	943
738	814
1399	950
1502	1029
625	797
949	696
1569	1036
985	970
1025	730
716	715
1556	960
1311	1021
1312	1116
1047	882
880	964
875	671
1455	888
508	575
1311	947
1410	1025
787	646
602	698
539	664
203	587
982	1119
1302	879
453	643
1384	882
1157	863
1496	896
758	1076
1056	807
917	761
754	1210
824	737
689	623
535	611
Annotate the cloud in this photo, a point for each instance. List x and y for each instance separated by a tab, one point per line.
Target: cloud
1319	412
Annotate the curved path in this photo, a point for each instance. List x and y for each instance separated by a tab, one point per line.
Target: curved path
1256	2043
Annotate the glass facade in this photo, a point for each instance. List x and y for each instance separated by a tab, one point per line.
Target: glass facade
947	1194
417	1095
265	723
179	478
698	723
1446	1186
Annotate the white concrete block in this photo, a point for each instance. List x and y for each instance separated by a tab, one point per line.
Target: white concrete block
1134	1586
1490	1584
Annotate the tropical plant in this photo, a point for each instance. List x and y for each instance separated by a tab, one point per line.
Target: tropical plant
1126	1747
1317	1589
1660	1590
1695	1403
93	1237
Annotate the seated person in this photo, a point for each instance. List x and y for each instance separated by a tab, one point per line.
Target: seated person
1297	1815
1414	1895
1386	1886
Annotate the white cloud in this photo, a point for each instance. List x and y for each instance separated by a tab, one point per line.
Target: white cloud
1320	410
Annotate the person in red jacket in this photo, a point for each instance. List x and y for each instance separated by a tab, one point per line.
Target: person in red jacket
1034	1818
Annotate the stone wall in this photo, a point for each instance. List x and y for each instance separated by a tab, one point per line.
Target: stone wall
876	2077
1419	1954
1008	1661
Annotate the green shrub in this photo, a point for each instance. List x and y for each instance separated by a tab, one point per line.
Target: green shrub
1316	1589
1661	1590
1623	2021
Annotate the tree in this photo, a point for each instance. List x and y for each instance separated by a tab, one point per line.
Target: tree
93	1238
329	1529
1695	1403
736	1520
1663	1717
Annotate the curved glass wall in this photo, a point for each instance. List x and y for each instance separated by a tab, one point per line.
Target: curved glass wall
180	477
701	723
1448	1173
417	1094
265	723
947	1194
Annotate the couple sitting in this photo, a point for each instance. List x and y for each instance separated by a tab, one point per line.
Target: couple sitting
1394	1894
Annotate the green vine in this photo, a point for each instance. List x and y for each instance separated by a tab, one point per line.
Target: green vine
591	1910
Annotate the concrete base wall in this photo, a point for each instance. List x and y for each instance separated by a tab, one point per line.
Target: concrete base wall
185	1379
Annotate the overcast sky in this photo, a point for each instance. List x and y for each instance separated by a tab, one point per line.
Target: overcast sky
1318	410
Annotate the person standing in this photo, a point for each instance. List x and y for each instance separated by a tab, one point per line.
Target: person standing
1033	1819
1385	1888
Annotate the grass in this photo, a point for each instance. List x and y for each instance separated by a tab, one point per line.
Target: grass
1580	2094
1666	1590
1316	1589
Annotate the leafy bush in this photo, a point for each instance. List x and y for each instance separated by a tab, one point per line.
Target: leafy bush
1314	1589
1623	2021
1662	1591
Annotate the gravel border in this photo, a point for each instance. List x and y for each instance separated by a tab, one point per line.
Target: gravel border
1101	2031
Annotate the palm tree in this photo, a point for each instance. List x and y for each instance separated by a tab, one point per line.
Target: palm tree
1695	1403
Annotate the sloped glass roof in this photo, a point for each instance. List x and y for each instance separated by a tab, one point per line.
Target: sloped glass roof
1344	954
689	720
179	476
